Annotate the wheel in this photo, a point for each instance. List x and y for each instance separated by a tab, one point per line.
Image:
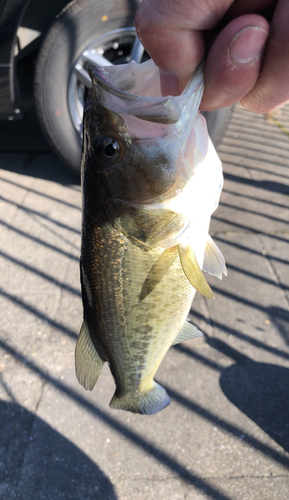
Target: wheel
86	32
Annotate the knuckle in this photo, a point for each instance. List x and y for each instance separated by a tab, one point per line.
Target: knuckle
260	100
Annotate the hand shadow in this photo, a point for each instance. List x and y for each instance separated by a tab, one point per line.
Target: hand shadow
36	462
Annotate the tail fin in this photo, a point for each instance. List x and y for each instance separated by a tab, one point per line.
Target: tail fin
144	402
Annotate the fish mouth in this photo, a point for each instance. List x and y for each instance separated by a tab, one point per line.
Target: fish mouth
164	110
156	110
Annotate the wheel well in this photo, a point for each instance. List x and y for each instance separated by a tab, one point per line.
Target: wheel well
35	23
39	16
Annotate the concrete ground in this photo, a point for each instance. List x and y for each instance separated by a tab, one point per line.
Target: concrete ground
225	435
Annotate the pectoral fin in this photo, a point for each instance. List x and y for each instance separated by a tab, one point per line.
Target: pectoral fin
214	262
158	270
187	332
193	271
88	363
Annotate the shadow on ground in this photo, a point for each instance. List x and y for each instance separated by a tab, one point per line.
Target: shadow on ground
260	390
52	467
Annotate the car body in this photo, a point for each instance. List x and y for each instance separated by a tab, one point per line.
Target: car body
23	25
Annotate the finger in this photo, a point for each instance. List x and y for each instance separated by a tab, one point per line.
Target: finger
272	90
234	61
171	33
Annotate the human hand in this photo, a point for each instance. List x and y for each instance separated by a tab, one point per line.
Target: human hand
247	59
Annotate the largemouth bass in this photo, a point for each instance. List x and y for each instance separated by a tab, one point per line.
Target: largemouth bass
150	182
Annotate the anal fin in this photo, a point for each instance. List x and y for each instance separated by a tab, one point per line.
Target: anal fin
187	332
88	363
193	271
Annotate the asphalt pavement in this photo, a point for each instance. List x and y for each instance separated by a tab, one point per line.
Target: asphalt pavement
225	435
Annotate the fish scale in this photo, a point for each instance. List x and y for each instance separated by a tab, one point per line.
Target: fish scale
147	200
163	311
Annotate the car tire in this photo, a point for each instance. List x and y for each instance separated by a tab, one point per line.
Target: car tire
78	25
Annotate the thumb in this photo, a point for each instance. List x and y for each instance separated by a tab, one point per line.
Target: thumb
234	61
176	49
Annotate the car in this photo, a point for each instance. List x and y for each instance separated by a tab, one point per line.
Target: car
63	39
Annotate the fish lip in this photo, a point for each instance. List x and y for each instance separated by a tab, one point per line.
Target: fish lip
97	72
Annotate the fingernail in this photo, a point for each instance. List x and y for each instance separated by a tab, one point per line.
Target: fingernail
248	44
169	83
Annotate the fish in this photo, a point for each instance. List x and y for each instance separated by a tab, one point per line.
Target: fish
151	179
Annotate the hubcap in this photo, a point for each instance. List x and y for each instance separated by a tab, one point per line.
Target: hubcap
115	47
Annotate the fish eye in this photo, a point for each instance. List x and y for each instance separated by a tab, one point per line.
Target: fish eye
107	149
